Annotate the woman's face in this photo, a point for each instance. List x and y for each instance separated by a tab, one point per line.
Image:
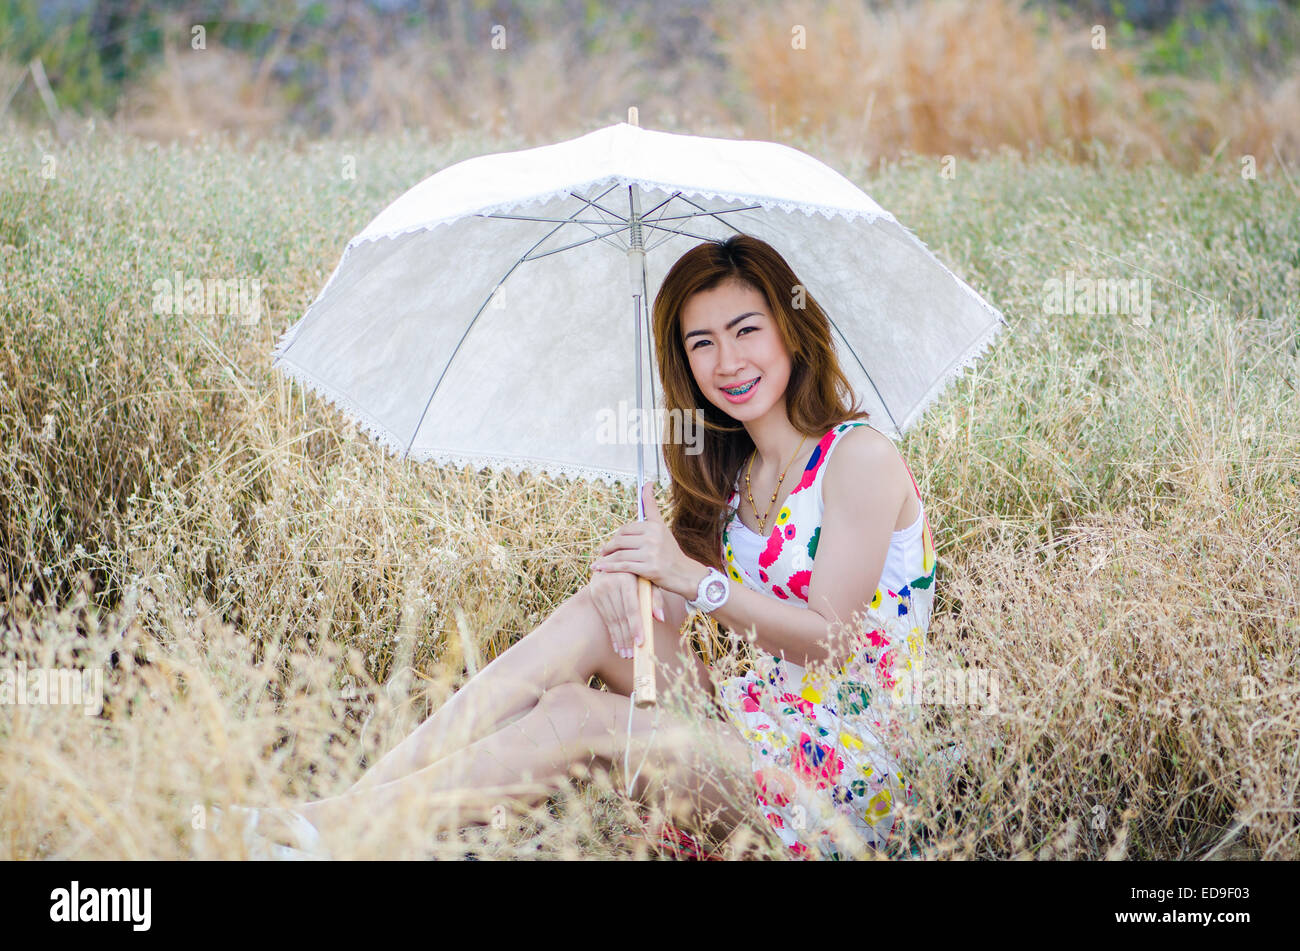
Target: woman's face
731	338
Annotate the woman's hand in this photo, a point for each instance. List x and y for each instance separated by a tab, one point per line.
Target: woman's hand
615	596
648	549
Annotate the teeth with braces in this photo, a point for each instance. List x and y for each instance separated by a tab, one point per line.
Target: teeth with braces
742	390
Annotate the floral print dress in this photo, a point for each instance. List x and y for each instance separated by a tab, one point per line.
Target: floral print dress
823	743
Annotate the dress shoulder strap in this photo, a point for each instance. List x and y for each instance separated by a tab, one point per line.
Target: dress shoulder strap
835	436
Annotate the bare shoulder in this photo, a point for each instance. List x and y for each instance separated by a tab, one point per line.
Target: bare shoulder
863	445
867	466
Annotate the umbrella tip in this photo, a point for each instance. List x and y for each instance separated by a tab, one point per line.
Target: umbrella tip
632	116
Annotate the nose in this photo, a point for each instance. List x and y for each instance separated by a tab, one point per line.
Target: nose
729	359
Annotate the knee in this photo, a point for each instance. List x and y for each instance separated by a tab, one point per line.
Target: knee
584	602
583	596
568	714
565	697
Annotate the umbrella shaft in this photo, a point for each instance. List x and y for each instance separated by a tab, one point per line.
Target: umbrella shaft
635	278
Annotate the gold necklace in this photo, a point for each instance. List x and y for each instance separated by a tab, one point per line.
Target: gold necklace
762	519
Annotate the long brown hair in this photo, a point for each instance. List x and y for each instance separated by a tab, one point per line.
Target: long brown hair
818	396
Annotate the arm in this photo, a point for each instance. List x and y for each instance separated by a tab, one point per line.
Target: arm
862	496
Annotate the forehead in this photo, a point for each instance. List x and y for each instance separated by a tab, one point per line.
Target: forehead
705	309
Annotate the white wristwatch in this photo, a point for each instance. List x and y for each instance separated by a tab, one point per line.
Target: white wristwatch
713	593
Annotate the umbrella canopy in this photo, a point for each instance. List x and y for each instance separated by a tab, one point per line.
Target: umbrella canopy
484	318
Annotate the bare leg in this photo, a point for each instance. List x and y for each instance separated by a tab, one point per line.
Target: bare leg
704	765
568	647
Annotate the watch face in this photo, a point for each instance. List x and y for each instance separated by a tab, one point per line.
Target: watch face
715	591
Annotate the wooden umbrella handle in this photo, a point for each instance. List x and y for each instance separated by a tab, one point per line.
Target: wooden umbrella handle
643	655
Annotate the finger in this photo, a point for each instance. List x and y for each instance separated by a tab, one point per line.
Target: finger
651	506
628	563
636	629
631	612
659	603
623	539
605	610
614	617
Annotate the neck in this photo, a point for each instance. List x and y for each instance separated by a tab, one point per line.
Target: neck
777	444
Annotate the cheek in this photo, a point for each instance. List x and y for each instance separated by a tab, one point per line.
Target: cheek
699	369
776	361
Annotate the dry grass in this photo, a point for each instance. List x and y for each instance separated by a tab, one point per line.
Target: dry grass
965	77
935	78
538	83
948	77
274	603
215	89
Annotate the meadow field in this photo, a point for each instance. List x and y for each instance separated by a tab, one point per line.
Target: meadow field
274	602
270	602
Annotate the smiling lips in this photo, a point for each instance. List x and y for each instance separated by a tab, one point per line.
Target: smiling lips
744	389
742	393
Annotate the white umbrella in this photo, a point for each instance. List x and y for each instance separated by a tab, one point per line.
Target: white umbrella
483	317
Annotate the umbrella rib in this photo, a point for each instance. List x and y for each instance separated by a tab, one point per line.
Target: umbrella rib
714	214
701	237
702	213
619	219
595	237
858	361
599	207
576	221
561	221
606	236
651	211
652	224
470	326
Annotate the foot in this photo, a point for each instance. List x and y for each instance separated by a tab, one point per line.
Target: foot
274	834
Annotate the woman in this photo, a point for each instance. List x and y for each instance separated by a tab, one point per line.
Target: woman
737	336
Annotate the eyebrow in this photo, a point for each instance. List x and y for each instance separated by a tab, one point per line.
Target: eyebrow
731	323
